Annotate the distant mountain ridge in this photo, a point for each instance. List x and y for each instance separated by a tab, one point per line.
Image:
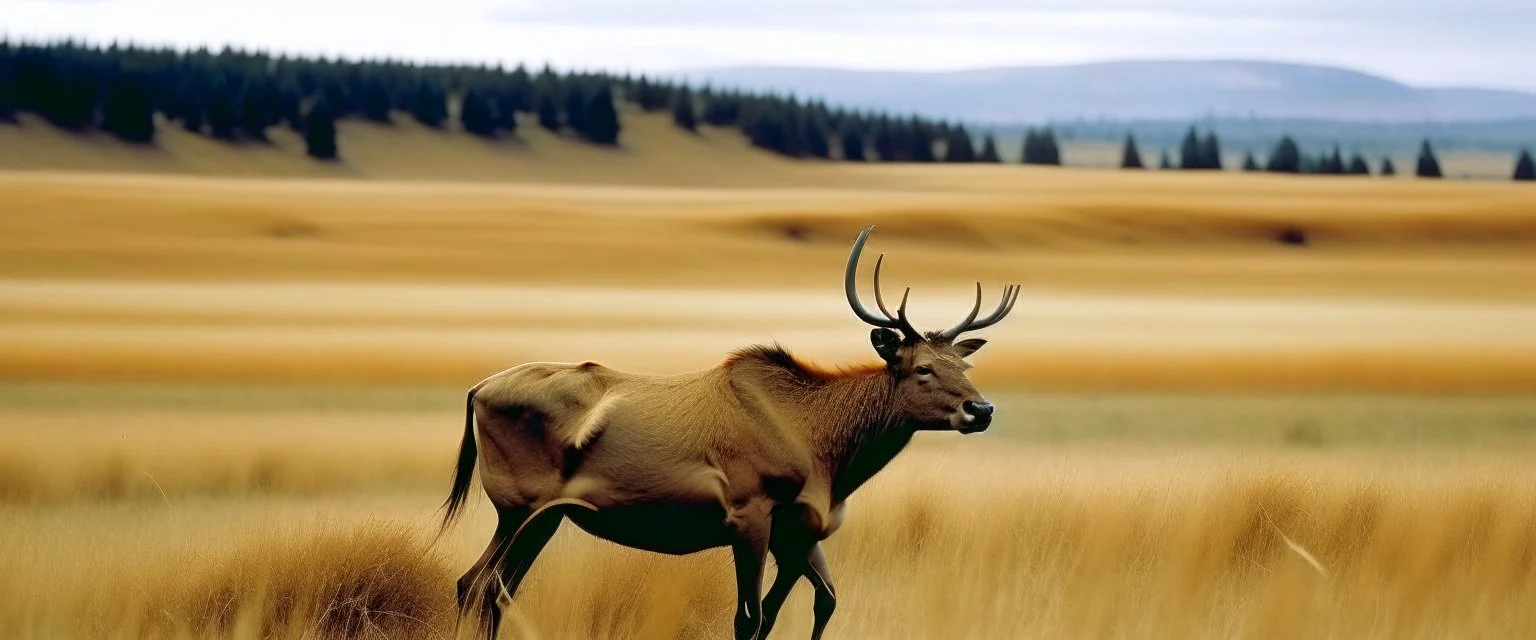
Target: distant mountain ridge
1135	90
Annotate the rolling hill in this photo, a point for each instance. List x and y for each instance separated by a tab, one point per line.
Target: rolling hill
652	152
1136	90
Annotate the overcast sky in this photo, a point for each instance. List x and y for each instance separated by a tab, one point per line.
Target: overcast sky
1488	43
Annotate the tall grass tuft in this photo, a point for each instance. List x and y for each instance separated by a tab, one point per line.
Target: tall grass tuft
375	580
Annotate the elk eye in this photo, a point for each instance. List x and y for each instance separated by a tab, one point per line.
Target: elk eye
923	369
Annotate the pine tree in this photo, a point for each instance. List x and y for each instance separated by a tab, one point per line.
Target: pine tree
320	131
1358	167
1130	156
853	145
376	101
1249	163
1525	168
520	89
1052	150
1163	161
769	128
193	115
1387	168
885	141
815	136
549	114
1040	147
430	106
1191	151
290	107
475	114
919	142
958	147
1429	166
67	93
9	100
1286	158
682	111
722	110
504	108
1210	152
253	105
650	95
221	111
601	118
989	150
127	112
1333	165
575	107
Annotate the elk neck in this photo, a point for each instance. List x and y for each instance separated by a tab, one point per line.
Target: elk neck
854	428
848	415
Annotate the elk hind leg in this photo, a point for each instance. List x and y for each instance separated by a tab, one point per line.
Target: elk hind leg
507	522
522	548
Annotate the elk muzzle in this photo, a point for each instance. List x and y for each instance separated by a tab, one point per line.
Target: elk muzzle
978	416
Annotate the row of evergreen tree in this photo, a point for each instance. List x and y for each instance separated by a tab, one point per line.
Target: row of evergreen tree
1204	153
240	95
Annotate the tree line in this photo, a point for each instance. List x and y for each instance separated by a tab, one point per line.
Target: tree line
1204	153
240	95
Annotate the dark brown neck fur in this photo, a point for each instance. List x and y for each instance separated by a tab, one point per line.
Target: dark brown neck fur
848	415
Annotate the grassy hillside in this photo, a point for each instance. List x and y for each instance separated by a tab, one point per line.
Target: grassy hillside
1140	281
653	152
231	383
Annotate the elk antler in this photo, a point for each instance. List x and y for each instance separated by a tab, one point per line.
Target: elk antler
970	323
899	321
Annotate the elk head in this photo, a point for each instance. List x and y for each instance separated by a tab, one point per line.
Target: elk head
928	369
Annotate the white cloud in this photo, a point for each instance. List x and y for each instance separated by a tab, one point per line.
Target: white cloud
1487	42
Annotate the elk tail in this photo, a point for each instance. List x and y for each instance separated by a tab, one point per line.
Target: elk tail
464	471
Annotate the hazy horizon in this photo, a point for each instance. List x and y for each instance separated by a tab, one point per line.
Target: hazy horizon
1476	43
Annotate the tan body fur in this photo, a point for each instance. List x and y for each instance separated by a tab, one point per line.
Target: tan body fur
732	438
759	453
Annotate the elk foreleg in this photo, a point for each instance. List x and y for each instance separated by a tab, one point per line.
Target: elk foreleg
752	527
826	597
791	569
811	563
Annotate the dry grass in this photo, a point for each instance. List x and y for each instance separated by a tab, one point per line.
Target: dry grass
67	443
132	509
962	541
454	335
351	579
1132	281
58	456
1052	229
1172	516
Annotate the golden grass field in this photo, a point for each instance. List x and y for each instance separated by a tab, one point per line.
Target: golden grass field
231	386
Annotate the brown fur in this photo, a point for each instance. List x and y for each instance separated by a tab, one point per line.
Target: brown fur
810	372
759	453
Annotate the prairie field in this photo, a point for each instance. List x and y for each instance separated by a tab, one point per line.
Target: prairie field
231	387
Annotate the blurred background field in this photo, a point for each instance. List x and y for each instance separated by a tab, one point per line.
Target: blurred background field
1231	405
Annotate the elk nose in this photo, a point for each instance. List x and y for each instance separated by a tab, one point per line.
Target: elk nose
978	409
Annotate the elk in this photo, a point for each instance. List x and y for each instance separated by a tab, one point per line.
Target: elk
759	453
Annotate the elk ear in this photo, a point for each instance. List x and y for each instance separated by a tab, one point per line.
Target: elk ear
887	344
969	346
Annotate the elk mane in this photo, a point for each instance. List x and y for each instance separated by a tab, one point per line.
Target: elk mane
801	371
